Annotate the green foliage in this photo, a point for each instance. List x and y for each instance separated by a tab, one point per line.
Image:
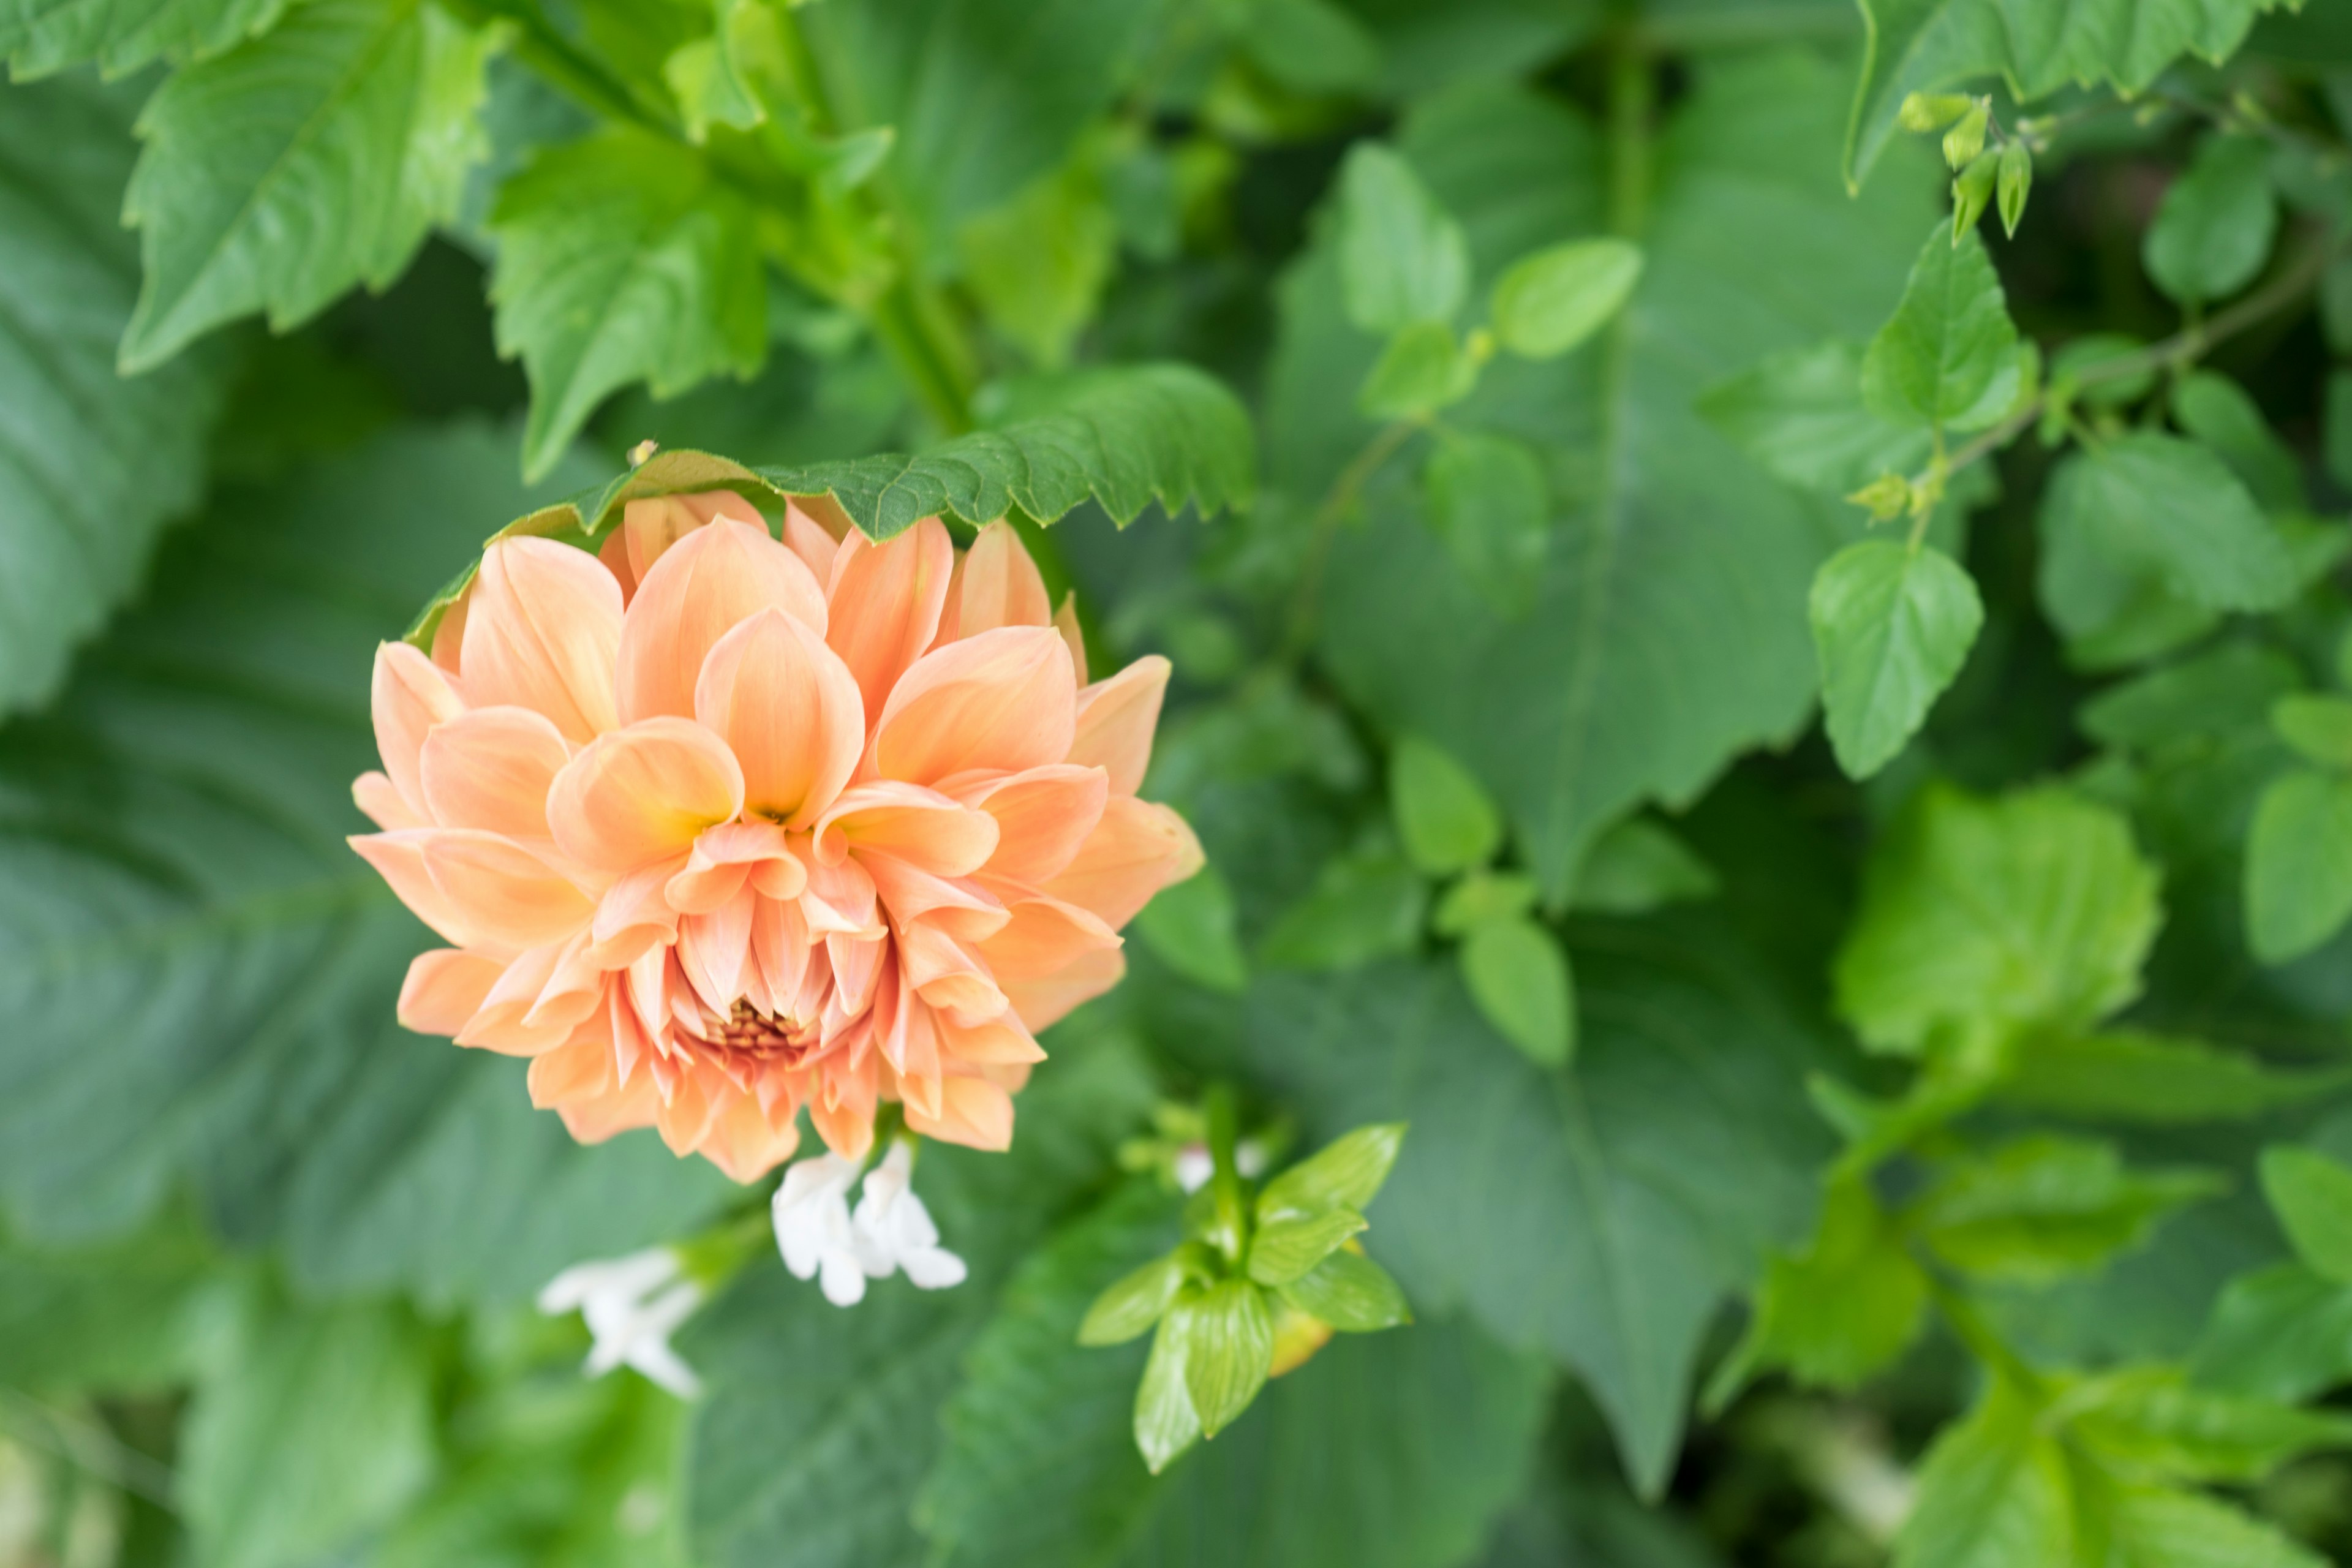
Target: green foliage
1548	303
2313	1196
1404	261
2299	866
1489	502
1445	820
1519	979
2213	232
1892	626
1947	357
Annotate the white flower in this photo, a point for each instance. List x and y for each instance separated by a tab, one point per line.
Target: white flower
632	1305
812	1228
895	1230
1194	1165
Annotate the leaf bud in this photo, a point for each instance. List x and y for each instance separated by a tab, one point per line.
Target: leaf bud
1971	191
1931	111
2016	180
1964	141
1885	497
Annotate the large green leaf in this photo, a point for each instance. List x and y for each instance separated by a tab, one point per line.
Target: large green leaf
2148	506
1599	1214
1668	624
1892	626
622	257
1947	357
38	36
2037	46
313	158
1994	1493
77	514
199	974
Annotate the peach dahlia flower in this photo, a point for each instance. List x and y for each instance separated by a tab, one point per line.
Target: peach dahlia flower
721	828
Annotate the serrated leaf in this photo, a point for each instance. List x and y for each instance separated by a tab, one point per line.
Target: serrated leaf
2283	1333
1552	300
38	37
77	517
1347	1173
2032	909
2154	1528
2039	1207
2126	1075
1283	1249
1402	258
1351	1293
2213	231
1443	815
1948	355
1489	502
622	257
1838	1313
1521	983
2298	889
2311	1194
1892	626
1801	414
279	174
1226	1335
2151	1420
2158	506
1992	1494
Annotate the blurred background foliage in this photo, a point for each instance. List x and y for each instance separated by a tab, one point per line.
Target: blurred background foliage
1912	1129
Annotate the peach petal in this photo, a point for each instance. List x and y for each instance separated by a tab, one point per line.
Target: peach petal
407	696
491	768
634	915
1043	816
886	601
1001	1041
730	856
503	890
973	1111
541	632
450	631
1116	719
642	793
444	987
536	1004
399	858
789	710
1138	848
997	585
843	1114
1043	936
651	524
840	899
373	794
697	592
691	1109
1065	621
912	894
615	553
809	539
945	974
747	1143
1003	700
715	950
922	827
1042	1004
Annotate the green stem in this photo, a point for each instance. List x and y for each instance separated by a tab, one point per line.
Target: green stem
1322	530
1983	1344
1232	1234
562	64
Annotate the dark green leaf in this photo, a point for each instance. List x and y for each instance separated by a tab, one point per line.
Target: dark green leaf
2214	230
2283	1333
1362	907
137	1315
1892	626
2125	1075
1948	355
39	37
2217	411
2312	1194
2159	506
1637	867
1490	503
2041	1207
1801	414
1191	927
1402	258
2209	694
1520	981
278	175
2298	864
1550	302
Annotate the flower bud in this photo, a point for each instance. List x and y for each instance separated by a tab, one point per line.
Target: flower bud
1964	141
1971	191
1885	497
2016	180
1931	111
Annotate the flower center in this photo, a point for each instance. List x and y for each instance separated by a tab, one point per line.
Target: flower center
755	1034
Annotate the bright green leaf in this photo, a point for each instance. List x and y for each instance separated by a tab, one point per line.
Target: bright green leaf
1424	369
41	37
1949	354
2041	1207
1481	897
1519	978
2209	694
1550	302
1403	259
1227	1337
2213	231
1351	1293
1347	1173
1443	815
1136	1303
1993	1493
2298	864
2153	1528
1638	866
1191	927
2312	1194
2319	727
1490	503
1801	414
1892	626
2283	1333
2125	1075
278	175
1039	262
1165	1424
2150	1419
1282	1251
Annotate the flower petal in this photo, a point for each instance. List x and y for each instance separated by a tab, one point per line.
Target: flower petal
1138	848
789	710
1043	816
886	601
491	768
542	629
407	696
1065	621
727	856
1044	936
398	858
502	890
1042	1004
747	1143
997	585
651	524
973	1111
445	987
1115	720
699	590
373	794
922	827
809	539
642	794
1003	700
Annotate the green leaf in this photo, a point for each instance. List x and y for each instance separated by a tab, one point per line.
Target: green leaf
2211	693
1351	1293
1191	927
2041	1207
1443	815
2125	1075
138	1315
1402	258
1993	1493
2319	727
1651	653
1921	45
2030	911
1347	1173
1948	355
1837	1313
1552	300
315	157
78	515
318	1433
1362	907
2311	1194
1226	1333
1481	897
1165	1423
2337	441
2217	411
1520	981
1892	626
2298	864
2150	1420
1637	867
1801	414
1490	503
2283	1333
1422	370
622	257
1137	1302
1314	46
1038	263
2213	231
2153	1528
2155	506
1282	1251
41	37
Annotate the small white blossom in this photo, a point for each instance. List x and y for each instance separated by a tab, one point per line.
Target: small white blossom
632	1305
814	1231
895	1230
1194	1164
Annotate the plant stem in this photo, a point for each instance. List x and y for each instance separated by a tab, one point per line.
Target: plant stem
1231	1232
1323	529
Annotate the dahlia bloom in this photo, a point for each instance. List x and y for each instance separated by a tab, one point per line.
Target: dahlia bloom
721	828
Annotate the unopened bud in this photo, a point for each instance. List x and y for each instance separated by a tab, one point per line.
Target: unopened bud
2016	180
1931	111
1971	191
1885	497
641	451
1963	141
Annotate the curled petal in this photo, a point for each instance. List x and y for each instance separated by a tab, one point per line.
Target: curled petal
699	590
450	631
1116	719
747	1143
445	987
996	584
1043	816
946	975
1044	1003
810	540
1065	621
839	899
961	909
503	890
373	794
542	629
728	857
490	769
789	710
971	1111
886	601
642	794
399	858
1138	848
1044	936
1000	1041
408	695
1003	700
538	1001
922	827
634	915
